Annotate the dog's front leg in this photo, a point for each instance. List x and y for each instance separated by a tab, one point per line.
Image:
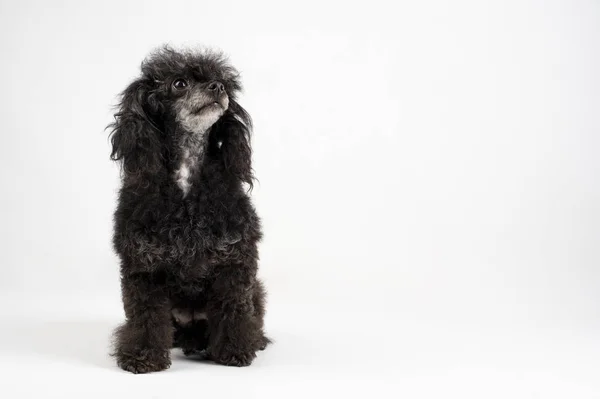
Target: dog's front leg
235	330
142	343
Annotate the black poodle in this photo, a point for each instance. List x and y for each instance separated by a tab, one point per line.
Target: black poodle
186	231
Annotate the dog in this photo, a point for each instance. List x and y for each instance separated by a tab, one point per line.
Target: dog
185	229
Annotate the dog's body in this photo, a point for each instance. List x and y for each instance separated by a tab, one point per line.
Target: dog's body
185	229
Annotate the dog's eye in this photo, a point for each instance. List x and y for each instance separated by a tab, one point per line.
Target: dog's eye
180	84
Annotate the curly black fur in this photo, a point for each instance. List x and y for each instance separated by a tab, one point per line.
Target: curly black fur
185	229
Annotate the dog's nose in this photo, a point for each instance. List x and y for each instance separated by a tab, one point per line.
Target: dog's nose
216	87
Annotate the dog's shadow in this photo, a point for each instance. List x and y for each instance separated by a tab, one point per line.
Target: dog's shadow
81	342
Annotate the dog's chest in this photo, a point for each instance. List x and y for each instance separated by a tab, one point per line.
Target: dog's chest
208	227
184	173
191	157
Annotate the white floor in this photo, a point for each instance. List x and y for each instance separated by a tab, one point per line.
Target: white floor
56	347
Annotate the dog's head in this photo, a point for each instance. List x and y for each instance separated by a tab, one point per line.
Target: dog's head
181	97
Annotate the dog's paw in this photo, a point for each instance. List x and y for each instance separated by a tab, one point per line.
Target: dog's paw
240	359
145	361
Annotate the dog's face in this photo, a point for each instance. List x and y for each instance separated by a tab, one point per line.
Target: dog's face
193	90
183	105
190	89
198	103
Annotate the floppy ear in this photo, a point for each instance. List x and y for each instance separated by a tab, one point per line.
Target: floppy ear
233	131
135	138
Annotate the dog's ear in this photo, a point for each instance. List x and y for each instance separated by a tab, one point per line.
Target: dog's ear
134	137
233	132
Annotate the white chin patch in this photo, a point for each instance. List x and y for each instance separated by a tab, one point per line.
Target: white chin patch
197	112
199	122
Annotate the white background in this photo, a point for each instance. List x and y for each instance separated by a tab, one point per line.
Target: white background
428	186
